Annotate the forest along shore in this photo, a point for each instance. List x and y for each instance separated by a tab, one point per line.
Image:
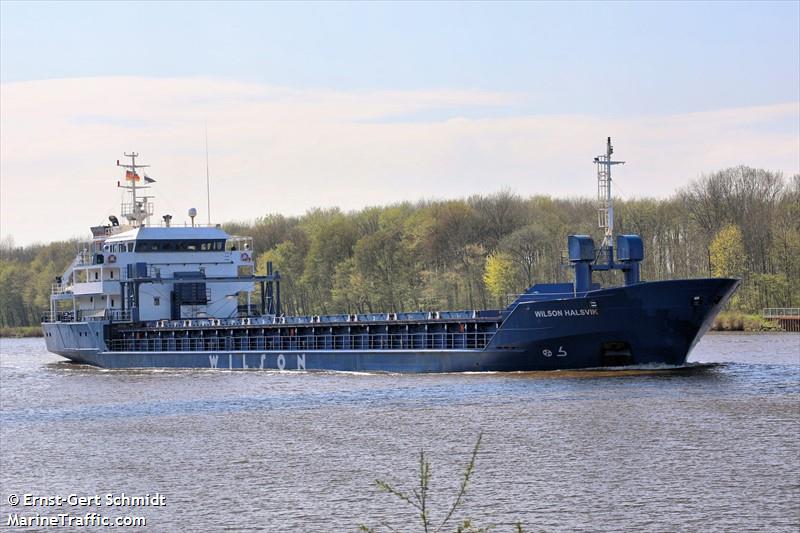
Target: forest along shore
473	253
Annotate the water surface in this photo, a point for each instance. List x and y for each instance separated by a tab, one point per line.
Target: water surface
713	449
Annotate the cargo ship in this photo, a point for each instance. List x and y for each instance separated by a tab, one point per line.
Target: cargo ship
142	295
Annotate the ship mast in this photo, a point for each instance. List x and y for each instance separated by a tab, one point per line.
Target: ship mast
139	209
605	203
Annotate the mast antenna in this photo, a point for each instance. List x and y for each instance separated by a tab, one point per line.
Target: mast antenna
140	208
208	181
605	203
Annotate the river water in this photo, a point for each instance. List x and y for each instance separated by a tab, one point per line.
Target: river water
714	449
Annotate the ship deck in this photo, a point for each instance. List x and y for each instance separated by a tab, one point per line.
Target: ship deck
451	330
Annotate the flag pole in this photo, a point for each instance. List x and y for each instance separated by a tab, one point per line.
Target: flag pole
208	180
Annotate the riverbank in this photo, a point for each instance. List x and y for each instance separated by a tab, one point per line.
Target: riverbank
734	321
22	331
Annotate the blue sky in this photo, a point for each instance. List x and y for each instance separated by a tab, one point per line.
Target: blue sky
569	57
482	67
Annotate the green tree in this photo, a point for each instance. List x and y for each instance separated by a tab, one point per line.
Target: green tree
499	276
530	248
331	239
288	258
727	253
385	265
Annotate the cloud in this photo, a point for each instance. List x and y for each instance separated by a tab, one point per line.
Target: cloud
278	149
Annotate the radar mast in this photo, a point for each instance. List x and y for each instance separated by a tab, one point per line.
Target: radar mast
139	209
605	203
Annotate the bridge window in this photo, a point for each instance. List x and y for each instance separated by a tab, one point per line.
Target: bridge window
193	245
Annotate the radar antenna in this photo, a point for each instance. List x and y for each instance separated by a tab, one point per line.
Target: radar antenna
208	182
605	203
139	209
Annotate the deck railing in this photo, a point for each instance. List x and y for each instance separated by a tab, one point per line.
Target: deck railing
372	341
781	312
788	318
59	316
118	315
90	315
60	288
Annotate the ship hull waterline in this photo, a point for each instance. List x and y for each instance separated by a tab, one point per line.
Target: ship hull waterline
650	323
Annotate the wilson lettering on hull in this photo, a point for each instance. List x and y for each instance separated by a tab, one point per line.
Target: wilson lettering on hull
261	361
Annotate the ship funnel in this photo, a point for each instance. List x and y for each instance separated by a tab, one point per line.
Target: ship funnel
581	255
630	252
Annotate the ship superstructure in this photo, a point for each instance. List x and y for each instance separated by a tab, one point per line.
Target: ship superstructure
187	296
135	272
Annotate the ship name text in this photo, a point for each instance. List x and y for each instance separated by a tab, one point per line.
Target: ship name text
260	361
553	313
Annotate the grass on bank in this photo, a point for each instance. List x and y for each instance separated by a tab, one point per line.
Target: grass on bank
22	331
735	321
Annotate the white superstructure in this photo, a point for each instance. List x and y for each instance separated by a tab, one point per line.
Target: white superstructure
139	272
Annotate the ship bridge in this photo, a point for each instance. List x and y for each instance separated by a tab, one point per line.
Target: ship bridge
174	239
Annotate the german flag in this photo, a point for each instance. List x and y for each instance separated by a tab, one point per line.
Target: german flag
131	175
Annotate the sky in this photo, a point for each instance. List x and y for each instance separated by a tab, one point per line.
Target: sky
356	104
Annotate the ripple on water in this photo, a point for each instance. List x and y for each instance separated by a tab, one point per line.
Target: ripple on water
712	448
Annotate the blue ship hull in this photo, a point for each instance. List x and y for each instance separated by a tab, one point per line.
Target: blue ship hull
649	323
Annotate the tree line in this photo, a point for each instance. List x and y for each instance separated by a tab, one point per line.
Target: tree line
476	252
